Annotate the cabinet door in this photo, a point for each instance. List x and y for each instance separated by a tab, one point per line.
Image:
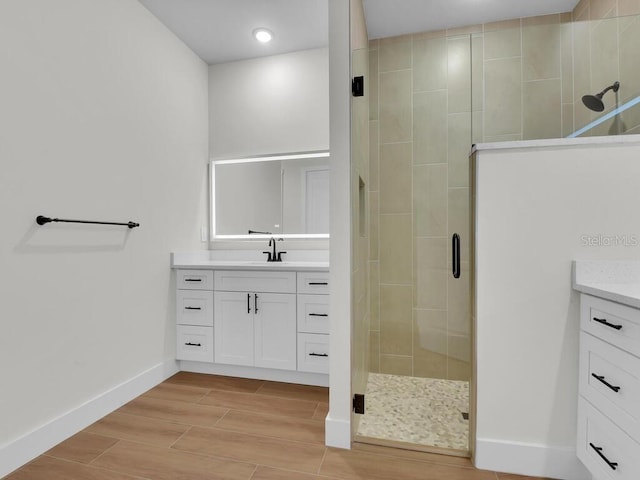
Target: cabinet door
275	331
233	328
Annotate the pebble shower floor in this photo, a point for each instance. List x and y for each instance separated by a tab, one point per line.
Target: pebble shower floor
422	411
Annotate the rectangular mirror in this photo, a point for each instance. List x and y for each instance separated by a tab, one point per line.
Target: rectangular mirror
283	195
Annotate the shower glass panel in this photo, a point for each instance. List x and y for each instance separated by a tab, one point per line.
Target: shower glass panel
419	339
532	78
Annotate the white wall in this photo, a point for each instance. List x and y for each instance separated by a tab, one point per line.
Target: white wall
276	104
104	117
534	206
338	421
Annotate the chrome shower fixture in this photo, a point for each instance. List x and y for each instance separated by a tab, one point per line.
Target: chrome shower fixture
594	102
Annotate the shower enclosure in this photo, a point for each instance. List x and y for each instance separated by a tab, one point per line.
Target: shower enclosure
428	98
413	335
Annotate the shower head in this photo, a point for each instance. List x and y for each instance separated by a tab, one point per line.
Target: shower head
594	102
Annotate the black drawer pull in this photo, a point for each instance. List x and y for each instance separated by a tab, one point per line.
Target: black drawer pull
604	322
189	344
598	450
318	354
192	308
601	379
318	315
318	283
248	304
192	279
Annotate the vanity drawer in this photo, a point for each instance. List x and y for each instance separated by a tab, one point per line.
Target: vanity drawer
194	307
313	353
610	380
313	282
250	281
194	279
313	313
612	322
595	431
194	343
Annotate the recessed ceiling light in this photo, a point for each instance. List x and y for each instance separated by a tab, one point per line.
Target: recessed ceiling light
263	35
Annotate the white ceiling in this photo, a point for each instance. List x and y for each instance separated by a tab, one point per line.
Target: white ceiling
387	18
220	30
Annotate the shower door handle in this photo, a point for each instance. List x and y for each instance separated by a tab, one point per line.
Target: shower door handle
455	255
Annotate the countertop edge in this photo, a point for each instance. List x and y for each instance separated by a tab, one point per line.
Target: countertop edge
608	295
272	268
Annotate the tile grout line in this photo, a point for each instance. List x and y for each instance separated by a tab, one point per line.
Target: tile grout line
117	441
181	436
260	435
324	455
254	471
222	417
88	465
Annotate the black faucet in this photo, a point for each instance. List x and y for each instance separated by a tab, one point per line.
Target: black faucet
273	256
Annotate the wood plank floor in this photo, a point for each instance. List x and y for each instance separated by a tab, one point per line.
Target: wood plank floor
207	427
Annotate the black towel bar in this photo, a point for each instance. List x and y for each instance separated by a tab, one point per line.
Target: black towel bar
41	220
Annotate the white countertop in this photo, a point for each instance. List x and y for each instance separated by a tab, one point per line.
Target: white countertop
618	281
295	260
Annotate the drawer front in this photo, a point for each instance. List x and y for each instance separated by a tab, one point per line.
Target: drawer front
313	282
194	307
313	313
612	322
601	441
194	343
610	380
249	281
194	279
313	353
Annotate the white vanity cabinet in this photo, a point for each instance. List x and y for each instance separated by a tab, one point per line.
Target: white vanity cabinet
608	441
255	319
194	315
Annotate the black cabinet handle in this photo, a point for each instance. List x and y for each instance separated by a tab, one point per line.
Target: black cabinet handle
192	279
318	283
601	379
255	302
603	321
192	308
455	254
318	315
189	344
598	450
248	303
318	354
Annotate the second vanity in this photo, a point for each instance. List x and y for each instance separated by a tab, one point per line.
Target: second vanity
253	318
608	437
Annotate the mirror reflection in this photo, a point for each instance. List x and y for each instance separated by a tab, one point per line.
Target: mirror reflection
284	195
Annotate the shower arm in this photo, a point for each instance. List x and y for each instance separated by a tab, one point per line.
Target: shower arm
613	87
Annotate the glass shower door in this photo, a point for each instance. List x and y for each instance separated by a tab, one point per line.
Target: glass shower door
419	339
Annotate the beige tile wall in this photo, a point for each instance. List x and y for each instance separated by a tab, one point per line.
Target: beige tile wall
606	35
433	94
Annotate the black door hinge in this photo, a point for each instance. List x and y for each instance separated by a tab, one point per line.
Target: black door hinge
358	403
357	86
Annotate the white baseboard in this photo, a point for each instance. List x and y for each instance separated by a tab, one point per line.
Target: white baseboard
287	376
529	459
337	433
23	449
